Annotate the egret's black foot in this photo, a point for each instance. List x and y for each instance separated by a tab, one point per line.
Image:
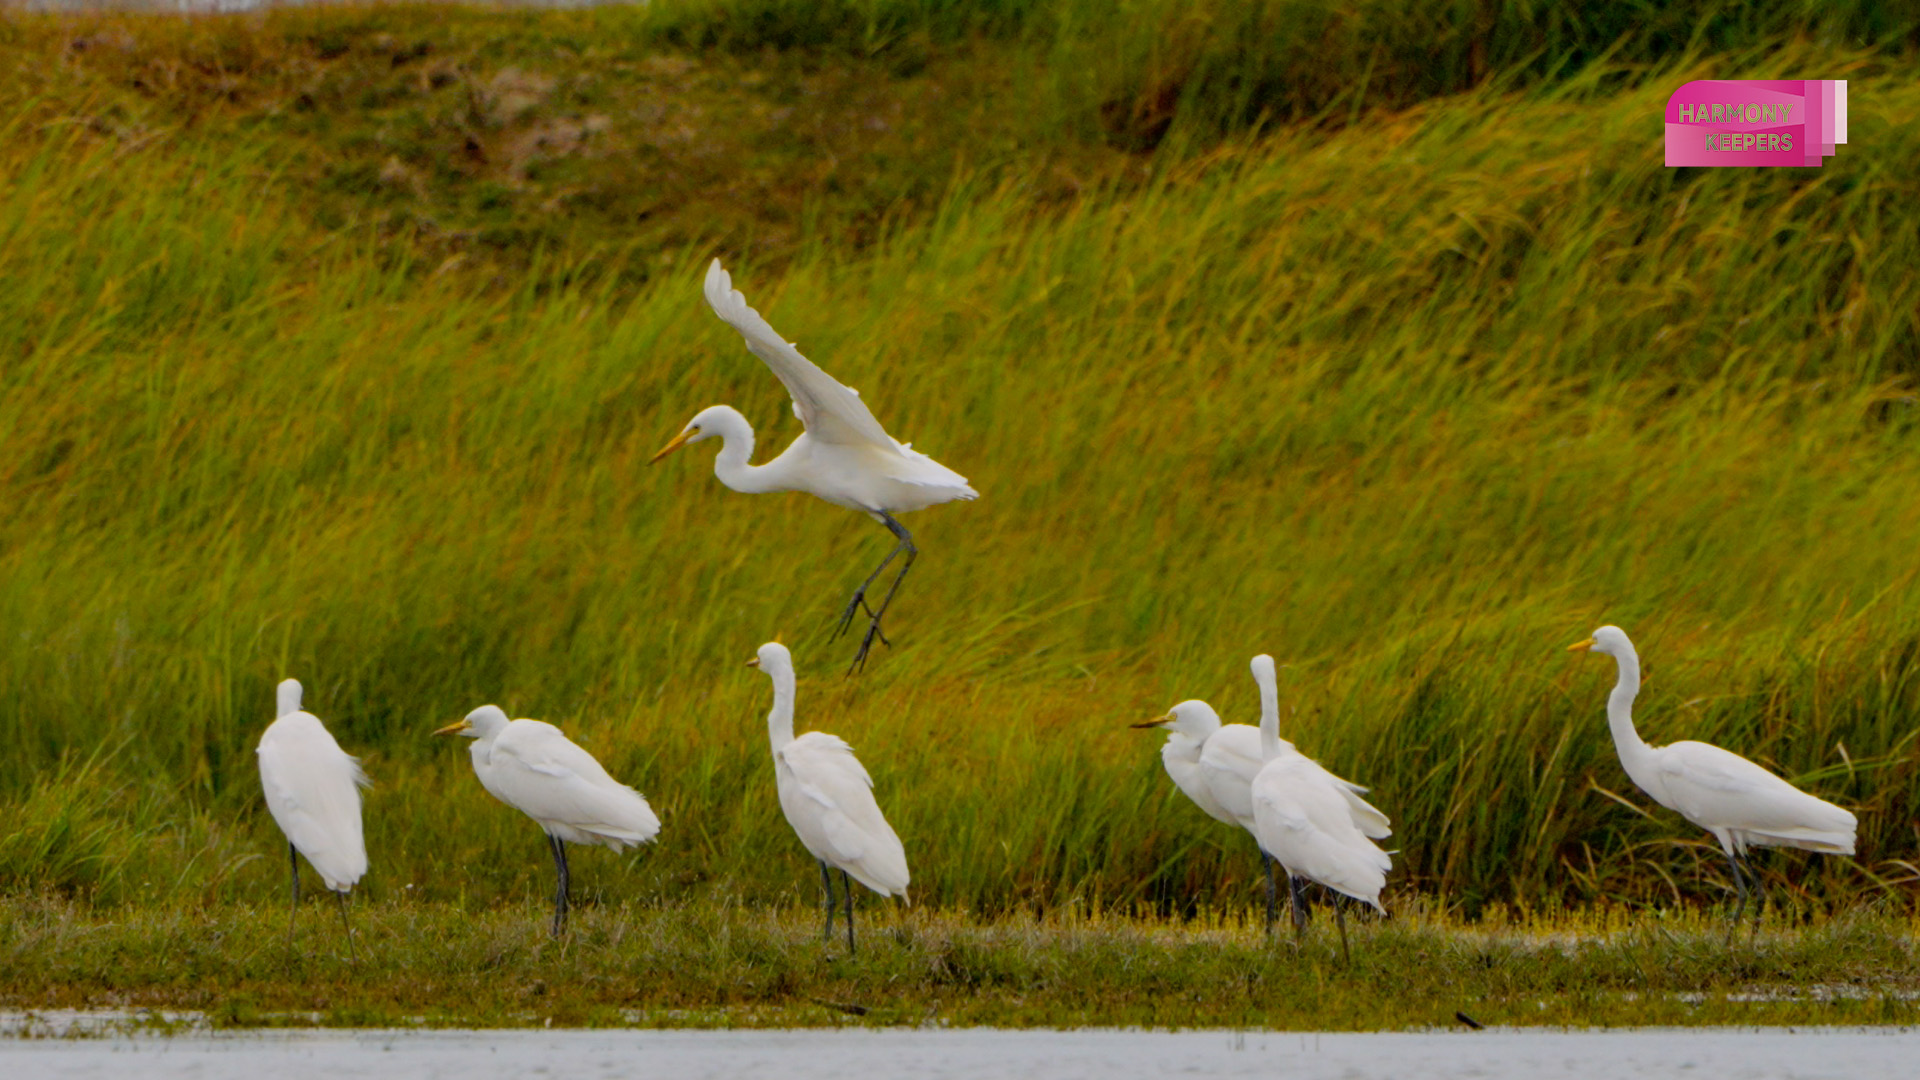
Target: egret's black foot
866	645
854	607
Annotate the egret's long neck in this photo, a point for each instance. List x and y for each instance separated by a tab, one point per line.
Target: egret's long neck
1269	715
780	720
289	697
732	466
1633	750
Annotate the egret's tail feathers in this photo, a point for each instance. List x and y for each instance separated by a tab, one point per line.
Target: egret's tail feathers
884	873
1366	817
1833	843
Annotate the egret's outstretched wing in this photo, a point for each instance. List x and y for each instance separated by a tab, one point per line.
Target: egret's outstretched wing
832	412
312	791
551	779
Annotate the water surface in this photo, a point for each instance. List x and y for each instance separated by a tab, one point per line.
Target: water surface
1513	1054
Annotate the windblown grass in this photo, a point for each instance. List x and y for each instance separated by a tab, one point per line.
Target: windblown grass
1410	404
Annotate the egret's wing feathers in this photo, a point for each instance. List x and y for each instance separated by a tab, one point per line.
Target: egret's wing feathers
831	411
551	779
836	815
312	788
1717	788
1229	761
1303	821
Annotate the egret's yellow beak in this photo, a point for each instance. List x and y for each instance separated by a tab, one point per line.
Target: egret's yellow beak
679	441
1580	646
458	727
1155	722
755	662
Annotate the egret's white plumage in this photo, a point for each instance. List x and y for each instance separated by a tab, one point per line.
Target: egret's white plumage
1214	764
844	456
827	797
313	792
1306	824
532	767
1229	762
1305	818
1742	804
312	789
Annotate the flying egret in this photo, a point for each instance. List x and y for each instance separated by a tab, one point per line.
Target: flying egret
828	799
531	767
313	792
1740	803
1214	764
1303	816
844	456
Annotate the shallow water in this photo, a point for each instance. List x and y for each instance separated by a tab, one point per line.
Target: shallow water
976	1052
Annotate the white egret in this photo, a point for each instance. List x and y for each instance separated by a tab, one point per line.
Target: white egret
1740	803
844	456
313	792
1215	763
828	799
532	767
1303	817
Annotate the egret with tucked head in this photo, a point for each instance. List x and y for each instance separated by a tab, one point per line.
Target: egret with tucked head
844	456
532	767
1740	803
828	799
313	792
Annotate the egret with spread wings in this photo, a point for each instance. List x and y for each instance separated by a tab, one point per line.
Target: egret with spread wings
844	456
828	799
1740	803
313	792
532	767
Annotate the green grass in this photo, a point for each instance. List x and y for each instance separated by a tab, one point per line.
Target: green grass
1410	400
722	966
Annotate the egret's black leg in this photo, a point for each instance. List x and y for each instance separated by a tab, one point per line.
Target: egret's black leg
293	860
560	894
1302	907
848	882
875	614
348	924
1266	861
859	600
860	594
826	882
1759	898
1340	916
1740	883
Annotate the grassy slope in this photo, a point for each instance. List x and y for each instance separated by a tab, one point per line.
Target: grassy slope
1409	403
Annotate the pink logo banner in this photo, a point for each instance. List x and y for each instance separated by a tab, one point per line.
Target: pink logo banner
1756	123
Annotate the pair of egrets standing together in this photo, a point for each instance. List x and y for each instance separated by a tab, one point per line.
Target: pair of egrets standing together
313	792
1318	826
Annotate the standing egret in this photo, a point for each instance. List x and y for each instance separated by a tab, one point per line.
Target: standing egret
1303	817
844	456
531	767
1740	803
313	792
828	799
1214	764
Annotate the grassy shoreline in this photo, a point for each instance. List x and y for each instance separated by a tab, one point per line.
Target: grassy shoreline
430	966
